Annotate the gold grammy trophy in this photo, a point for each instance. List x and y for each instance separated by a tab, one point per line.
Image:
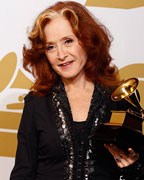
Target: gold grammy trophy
127	90
127	133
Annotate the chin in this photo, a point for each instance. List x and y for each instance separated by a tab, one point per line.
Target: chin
69	76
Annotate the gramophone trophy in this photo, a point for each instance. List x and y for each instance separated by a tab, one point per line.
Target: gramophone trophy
128	132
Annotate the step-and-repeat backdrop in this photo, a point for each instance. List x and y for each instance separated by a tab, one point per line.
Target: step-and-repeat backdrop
124	19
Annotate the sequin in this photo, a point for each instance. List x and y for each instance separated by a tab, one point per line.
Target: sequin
79	164
65	138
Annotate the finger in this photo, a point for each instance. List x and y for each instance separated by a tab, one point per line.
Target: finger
122	158
127	159
132	154
121	162
131	151
111	150
114	150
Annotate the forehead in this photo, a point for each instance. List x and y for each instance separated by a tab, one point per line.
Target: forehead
58	28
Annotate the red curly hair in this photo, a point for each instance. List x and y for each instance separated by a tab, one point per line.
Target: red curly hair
95	39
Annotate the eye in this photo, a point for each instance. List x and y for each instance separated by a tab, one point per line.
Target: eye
50	48
68	41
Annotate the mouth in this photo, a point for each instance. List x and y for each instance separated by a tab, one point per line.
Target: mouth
66	64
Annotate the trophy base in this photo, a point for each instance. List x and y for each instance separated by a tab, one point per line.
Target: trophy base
121	136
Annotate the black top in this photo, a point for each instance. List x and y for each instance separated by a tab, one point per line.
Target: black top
79	130
51	146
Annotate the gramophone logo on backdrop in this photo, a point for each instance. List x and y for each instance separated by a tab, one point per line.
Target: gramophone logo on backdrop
13	87
12	102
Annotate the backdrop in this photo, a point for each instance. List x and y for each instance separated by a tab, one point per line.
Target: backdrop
124	19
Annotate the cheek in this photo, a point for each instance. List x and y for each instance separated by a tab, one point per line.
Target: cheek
83	56
50	58
80	52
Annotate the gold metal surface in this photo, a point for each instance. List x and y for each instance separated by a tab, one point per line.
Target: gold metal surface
125	89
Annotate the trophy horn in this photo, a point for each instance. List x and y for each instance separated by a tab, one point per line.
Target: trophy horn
127	131
128	90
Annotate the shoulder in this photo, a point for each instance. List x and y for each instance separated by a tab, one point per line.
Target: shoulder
37	104
33	106
103	93
32	98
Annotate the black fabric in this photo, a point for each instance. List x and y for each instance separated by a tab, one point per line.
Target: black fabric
40	155
79	130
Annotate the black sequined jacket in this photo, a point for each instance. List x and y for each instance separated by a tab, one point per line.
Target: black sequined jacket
51	148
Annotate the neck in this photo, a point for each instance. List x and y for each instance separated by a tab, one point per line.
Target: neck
78	85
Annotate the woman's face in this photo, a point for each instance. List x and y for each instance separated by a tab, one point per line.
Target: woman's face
63	49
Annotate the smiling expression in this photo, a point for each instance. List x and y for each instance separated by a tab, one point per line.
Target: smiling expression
63	49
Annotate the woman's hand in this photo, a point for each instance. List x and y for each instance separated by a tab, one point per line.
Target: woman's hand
122	158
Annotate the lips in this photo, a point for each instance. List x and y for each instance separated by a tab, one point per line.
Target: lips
66	64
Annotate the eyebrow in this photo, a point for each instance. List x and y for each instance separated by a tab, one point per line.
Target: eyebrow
64	38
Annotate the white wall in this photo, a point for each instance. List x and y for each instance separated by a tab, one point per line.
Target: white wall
126	26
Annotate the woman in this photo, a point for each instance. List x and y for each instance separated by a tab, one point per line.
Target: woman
69	58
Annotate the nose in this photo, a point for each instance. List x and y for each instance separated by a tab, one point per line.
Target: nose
61	53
